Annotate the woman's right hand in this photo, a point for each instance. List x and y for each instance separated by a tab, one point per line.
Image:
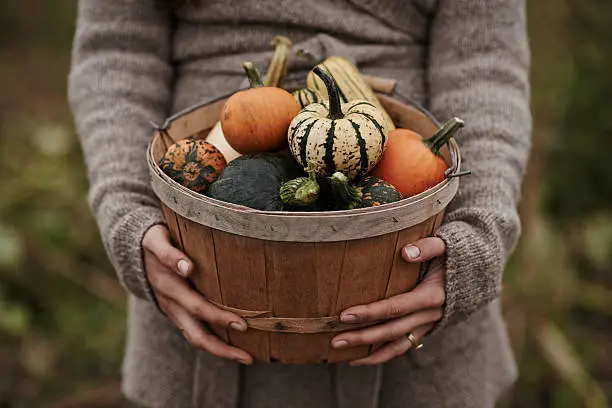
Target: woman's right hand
166	268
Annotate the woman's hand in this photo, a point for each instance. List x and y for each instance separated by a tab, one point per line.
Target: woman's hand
414	312
166	269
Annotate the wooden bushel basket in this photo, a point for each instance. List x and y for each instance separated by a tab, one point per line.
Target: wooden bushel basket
290	274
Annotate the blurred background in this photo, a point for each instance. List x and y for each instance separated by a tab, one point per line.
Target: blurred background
62	312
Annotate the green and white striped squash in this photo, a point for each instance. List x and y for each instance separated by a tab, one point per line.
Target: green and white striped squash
349	138
351	84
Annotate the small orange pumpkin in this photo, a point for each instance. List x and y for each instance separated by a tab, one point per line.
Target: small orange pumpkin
413	164
257	119
195	164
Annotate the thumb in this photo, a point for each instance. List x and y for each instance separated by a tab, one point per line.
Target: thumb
424	250
157	241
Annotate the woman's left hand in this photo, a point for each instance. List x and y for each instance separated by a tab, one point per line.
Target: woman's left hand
415	312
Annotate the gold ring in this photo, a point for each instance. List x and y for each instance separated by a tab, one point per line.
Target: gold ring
415	343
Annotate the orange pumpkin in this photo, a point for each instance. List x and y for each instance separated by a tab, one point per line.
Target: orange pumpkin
413	164
257	119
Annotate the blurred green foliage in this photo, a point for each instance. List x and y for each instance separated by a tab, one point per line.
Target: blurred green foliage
63	313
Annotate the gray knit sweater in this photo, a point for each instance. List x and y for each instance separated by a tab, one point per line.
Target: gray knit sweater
137	61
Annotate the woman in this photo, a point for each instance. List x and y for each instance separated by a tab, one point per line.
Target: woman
137	61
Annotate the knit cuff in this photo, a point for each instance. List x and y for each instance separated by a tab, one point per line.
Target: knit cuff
474	265
126	252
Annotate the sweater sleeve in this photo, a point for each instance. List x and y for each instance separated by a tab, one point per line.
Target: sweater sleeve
119	82
478	70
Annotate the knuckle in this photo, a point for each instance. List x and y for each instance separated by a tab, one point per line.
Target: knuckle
207	313
199	341
396	333
163	305
223	319
217	349
166	258
199	310
162	284
436	298
399	347
393	310
368	313
218	317
371	338
361	338
153	277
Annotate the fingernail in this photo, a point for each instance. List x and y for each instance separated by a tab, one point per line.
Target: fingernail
238	326
412	252
243	361
349	318
183	267
339	344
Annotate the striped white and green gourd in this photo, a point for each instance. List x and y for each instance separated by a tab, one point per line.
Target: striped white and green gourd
351	84
331	136
306	96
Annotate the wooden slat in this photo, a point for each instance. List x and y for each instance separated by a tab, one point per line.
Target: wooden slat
189	124
408	117
404	276
303	279
381	84
158	146
171	220
191	238
199	245
365	272
241	266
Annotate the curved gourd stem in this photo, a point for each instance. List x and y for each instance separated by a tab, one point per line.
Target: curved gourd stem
302	191
347	193
335	110
280	61
443	135
305	54
252	74
308	192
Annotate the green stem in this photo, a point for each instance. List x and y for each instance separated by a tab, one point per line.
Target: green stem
335	110
302	191
312	176
443	135
253	75
349	195
304	54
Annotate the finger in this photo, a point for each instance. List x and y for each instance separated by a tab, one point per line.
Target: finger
393	349
421	298
198	337
386	332
424	250
167	284
157	241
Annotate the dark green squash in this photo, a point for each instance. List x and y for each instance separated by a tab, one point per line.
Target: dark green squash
369	192
254	180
